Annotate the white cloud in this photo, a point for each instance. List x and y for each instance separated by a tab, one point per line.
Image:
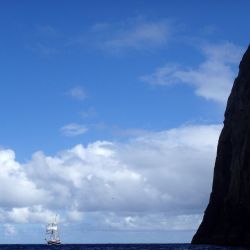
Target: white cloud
15	187
74	129
77	93
134	33
153	221
212	79
36	213
162	76
74	215
150	181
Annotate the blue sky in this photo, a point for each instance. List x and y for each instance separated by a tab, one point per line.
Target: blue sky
113	100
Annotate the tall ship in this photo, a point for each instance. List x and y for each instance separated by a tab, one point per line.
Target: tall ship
52	234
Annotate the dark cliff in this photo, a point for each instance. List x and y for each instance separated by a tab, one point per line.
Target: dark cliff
227	217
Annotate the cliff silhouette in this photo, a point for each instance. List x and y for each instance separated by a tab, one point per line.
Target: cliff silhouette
227	217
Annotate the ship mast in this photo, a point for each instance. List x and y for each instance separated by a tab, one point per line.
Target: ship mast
52	232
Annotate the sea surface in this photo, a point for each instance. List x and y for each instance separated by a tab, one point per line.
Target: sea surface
116	247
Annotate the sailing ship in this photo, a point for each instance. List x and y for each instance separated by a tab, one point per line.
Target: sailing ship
52	235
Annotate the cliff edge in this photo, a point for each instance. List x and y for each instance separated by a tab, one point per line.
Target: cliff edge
227	217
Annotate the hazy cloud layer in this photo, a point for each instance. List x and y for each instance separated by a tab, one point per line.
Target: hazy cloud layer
212	79
150	181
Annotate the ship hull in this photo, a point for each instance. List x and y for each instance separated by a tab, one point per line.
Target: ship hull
54	242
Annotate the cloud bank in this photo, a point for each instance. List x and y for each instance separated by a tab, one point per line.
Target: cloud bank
159	181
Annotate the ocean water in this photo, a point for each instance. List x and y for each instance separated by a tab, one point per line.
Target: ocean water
115	247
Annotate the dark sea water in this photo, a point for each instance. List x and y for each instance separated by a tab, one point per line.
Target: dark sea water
115	247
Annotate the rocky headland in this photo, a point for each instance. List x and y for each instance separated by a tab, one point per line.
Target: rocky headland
227	217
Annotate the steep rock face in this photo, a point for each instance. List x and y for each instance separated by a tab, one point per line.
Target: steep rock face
227	217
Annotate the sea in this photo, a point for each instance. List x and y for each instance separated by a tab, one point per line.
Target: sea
116	247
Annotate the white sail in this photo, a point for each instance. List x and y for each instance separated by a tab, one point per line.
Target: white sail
52	228
52	235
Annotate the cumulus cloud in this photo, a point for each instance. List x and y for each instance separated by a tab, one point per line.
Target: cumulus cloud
12	175
212	79
73	129
31	214
150	181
